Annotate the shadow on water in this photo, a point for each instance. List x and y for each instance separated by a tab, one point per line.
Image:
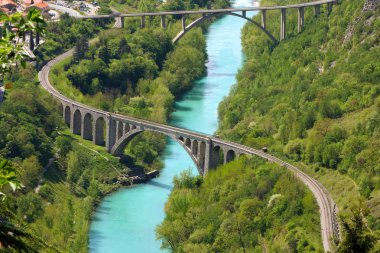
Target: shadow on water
96	238
160	185
183	108
103	209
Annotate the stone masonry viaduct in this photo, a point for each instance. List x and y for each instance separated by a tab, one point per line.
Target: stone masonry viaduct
114	131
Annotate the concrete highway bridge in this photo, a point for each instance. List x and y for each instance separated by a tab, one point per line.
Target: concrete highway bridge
207	14
114	131
238	12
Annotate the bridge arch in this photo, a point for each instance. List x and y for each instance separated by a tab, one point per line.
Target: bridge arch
217	157
67	115
87	127
77	122
204	18
99	131
121	143
230	156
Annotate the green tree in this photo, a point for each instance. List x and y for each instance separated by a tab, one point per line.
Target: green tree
357	237
10	52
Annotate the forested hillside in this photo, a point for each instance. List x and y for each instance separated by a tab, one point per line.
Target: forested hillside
63	176
244	206
314	99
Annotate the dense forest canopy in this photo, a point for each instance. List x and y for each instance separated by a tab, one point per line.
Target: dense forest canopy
244	206
64	177
314	98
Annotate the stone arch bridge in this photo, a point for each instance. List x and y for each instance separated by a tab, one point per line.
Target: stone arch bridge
238	12
114	131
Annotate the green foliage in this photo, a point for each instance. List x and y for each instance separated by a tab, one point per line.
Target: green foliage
71	31
357	236
243	206
12	53
29	206
187	181
8	176
314	97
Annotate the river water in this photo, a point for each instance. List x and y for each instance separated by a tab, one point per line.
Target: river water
125	221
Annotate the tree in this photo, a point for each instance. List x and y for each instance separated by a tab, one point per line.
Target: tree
12	53
32	171
8	176
104	53
81	48
357	237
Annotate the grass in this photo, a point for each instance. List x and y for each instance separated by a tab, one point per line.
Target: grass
342	188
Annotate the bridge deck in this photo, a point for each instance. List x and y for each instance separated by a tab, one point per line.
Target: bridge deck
258	8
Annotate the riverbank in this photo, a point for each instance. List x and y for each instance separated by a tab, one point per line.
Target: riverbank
117	224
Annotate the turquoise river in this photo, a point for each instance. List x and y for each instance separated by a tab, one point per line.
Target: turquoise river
125	221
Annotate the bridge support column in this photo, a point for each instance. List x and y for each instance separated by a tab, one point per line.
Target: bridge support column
317	10
110	133
163	22
72	110
183	23
283	24
301	18
94	133
142	21
207	156
122	22
31	41
264	19
244	13
329	8
224	157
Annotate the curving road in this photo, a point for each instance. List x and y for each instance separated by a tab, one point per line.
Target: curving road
328	218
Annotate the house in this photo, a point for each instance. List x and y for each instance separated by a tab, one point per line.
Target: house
38	4
8	6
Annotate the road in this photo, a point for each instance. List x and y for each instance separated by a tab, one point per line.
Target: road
70	12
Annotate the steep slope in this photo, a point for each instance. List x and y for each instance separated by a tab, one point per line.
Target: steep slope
314	99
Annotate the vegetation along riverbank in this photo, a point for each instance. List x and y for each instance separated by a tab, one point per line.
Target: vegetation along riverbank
56	204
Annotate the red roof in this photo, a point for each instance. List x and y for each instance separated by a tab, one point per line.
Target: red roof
29	2
7	2
41	5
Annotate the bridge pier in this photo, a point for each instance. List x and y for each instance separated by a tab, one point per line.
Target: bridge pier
264	19
244	13
317	10
283	24
142	21
183	23
207	156
301	18
122	22
163	22
329	8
